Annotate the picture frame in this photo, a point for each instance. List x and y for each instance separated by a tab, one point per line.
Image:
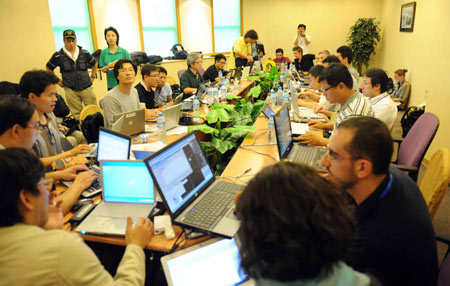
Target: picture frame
408	12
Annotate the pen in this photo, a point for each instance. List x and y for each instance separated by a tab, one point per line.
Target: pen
245	172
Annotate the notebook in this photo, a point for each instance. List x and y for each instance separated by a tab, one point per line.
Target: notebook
309	155
127	191
172	116
130	123
192	195
212	262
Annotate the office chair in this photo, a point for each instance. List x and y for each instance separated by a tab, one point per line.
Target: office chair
201	71
413	147
89	110
435	182
170	80
444	271
180	72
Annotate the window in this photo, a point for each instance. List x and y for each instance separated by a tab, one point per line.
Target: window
159	26
71	14
227	24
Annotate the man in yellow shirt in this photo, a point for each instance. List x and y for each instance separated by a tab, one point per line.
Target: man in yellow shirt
242	49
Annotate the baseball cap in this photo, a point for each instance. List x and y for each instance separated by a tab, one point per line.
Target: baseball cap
70	34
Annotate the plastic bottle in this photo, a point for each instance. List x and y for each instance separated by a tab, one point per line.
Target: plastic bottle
141	138
196	108
279	96
236	85
282	67
273	98
215	94
220	75
161	124
209	95
272	138
282	79
285	98
223	92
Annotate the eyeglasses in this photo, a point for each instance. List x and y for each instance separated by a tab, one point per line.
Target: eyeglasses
200	62
326	89
335	156
222	63
154	75
35	126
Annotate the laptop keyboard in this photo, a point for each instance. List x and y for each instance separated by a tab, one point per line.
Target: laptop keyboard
213	205
308	155
122	210
96	186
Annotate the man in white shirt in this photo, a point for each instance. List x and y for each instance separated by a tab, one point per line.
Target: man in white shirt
301	39
374	86
345	55
32	255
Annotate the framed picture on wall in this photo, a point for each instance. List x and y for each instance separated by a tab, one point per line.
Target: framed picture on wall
408	12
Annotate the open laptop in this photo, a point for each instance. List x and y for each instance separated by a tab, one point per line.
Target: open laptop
288	150
127	191
302	114
130	123
192	195
212	262
172	116
111	146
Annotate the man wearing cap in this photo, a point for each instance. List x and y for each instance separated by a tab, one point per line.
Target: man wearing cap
74	62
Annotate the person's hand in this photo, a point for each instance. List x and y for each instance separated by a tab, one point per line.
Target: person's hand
151	114
80	149
317	124
62	128
92	79
105	69
250	59
140	234
60	83
70	173
236	199
312	138
84	179
55	214
318	108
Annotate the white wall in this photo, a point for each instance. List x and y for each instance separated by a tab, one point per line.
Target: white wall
196	26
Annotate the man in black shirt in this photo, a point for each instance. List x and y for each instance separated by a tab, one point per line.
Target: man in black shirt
146	88
212	72
303	63
395	240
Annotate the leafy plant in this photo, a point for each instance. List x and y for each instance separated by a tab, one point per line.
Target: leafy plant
228	125
265	79
363	37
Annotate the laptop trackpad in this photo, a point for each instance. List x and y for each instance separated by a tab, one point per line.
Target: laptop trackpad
227	226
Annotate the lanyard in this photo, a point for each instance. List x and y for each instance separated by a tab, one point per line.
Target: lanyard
380	99
386	190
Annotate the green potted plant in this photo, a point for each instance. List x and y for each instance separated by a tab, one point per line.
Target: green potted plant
363	37
228	125
265	80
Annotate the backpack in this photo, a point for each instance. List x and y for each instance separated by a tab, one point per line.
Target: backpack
91	126
178	52
409	118
139	58
154	59
61	109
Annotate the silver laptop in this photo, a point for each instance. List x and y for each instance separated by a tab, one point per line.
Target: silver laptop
288	150
130	123
212	262
172	116
302	114
190	191
127	191
178	99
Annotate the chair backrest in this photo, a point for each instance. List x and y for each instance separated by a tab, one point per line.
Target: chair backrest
89	110
418	139
444	272
180	72
436	179
201	71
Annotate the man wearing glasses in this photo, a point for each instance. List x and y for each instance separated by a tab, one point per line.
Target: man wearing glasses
212	73
337	86
191	79
395	240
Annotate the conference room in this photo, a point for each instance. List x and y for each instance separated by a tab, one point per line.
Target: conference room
212	27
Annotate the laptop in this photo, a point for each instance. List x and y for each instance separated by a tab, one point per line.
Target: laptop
127	191
302	114
212	262
288	150
111	146
141	155
191	193
172	116
130	123
178	99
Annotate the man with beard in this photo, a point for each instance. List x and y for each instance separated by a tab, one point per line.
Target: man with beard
395	239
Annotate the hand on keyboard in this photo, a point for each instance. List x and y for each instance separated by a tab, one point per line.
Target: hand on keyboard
140	234
70	173
85	179
313	138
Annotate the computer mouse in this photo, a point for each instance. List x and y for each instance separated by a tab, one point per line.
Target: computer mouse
80	203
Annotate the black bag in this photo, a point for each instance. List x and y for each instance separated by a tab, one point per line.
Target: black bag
178	52
154	59
71	123
241	62
139	58
91	126
61	108
390	86
409	118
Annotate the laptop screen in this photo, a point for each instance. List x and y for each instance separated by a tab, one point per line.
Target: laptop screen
127	182
112	146
268	112
283	130
214	264
180	170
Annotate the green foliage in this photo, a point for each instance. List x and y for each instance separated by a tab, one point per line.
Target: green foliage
362	38
228	125
264	81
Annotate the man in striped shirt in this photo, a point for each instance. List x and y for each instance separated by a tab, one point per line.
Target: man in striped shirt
337	86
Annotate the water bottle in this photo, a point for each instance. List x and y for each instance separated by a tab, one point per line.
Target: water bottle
220	75
161	124
236	85
272	138
141	138
196	108
223	92
215	95
285	98
282	79
273	98
209	95
279	96
282	67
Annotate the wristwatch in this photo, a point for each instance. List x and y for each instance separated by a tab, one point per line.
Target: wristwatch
93	76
